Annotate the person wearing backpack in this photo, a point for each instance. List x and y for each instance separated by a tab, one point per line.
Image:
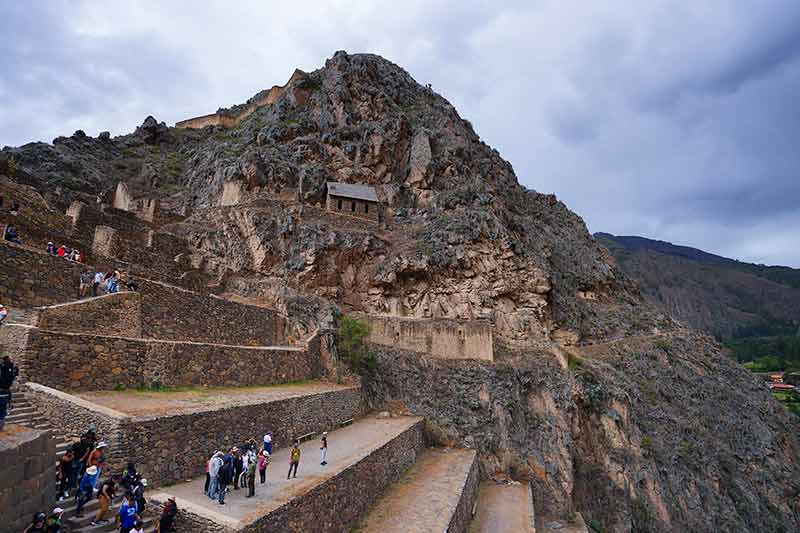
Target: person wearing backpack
85	489
166	523
294	459
104	498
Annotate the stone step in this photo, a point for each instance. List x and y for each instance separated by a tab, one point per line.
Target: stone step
364	459
149	525
436	494
504	508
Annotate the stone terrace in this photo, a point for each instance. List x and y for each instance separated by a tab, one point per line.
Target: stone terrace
436	494
504	508
171	439
364	459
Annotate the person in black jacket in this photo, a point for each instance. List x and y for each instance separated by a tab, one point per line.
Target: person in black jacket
166	523
225	478
8	373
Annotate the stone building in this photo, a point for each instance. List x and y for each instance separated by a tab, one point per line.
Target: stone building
356	200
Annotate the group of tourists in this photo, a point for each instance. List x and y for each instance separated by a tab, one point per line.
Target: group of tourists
109	282
65	252
10	234
238	467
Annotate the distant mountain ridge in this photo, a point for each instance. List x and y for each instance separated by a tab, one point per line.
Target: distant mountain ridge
725	297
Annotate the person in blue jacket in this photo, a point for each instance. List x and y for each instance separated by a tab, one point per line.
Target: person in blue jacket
85	489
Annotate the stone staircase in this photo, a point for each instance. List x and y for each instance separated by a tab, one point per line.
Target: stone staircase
24	413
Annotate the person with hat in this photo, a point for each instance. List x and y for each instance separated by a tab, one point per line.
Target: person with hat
85	489
138	495
263	462
51	248
127	517
268	442
166	523
37	524
53	524
97	456
237	467
323	448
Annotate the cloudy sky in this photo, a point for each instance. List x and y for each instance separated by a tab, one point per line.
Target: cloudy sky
677	120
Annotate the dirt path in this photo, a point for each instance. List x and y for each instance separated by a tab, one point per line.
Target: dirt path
424	500
503	509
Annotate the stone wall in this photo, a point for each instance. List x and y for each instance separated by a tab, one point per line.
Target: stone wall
118	314
338	503
26	476
169	312
73	361
28	278
462	516
75	414
353	207
176	447
444	338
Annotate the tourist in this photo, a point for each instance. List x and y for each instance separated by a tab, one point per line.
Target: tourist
3	314
60	251
78	257
11	235
208	476
215	465
82	448
51	248
251	478
294	459
236	457
65	473
263	462
268	442
166	523
8	373
53	524
15	207
104	498
129	476
138	495
138	527
86	281
72	254
127	517
85	489
131	284
225	477
98	279
97	457
37	524
323	448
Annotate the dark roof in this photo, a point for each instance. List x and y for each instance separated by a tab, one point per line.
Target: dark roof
349	190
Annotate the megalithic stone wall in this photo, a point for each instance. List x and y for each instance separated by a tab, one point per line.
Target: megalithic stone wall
26	476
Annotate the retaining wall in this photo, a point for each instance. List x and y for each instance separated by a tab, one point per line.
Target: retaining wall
444	338
26	476
176	447
74	361
462	516
29	278
118	314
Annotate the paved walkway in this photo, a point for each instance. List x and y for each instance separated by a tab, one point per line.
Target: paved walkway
194	399
503	509
425	499
347	446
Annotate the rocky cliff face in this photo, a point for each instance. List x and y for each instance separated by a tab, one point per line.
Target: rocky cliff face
460	238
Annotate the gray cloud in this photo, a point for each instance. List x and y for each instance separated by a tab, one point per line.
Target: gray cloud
675	120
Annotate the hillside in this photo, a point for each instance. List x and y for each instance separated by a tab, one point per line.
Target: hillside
727	298
596	396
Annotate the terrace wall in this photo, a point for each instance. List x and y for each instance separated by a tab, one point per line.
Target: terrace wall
73	361
26	475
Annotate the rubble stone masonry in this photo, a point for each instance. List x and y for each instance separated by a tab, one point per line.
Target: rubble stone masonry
70	361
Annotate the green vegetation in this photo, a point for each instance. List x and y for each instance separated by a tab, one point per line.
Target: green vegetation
352	349
647	444
642	516
12	166
574	362
789	399
767	354
596	526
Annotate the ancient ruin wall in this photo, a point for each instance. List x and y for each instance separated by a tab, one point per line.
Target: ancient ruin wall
229	118
26	475
443	338
151	441
29	279
70	361
117	314
169	312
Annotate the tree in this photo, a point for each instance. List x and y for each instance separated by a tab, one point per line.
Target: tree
350	340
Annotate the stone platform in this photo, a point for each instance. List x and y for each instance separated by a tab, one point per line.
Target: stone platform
504	509
363	460
435	495
170	434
